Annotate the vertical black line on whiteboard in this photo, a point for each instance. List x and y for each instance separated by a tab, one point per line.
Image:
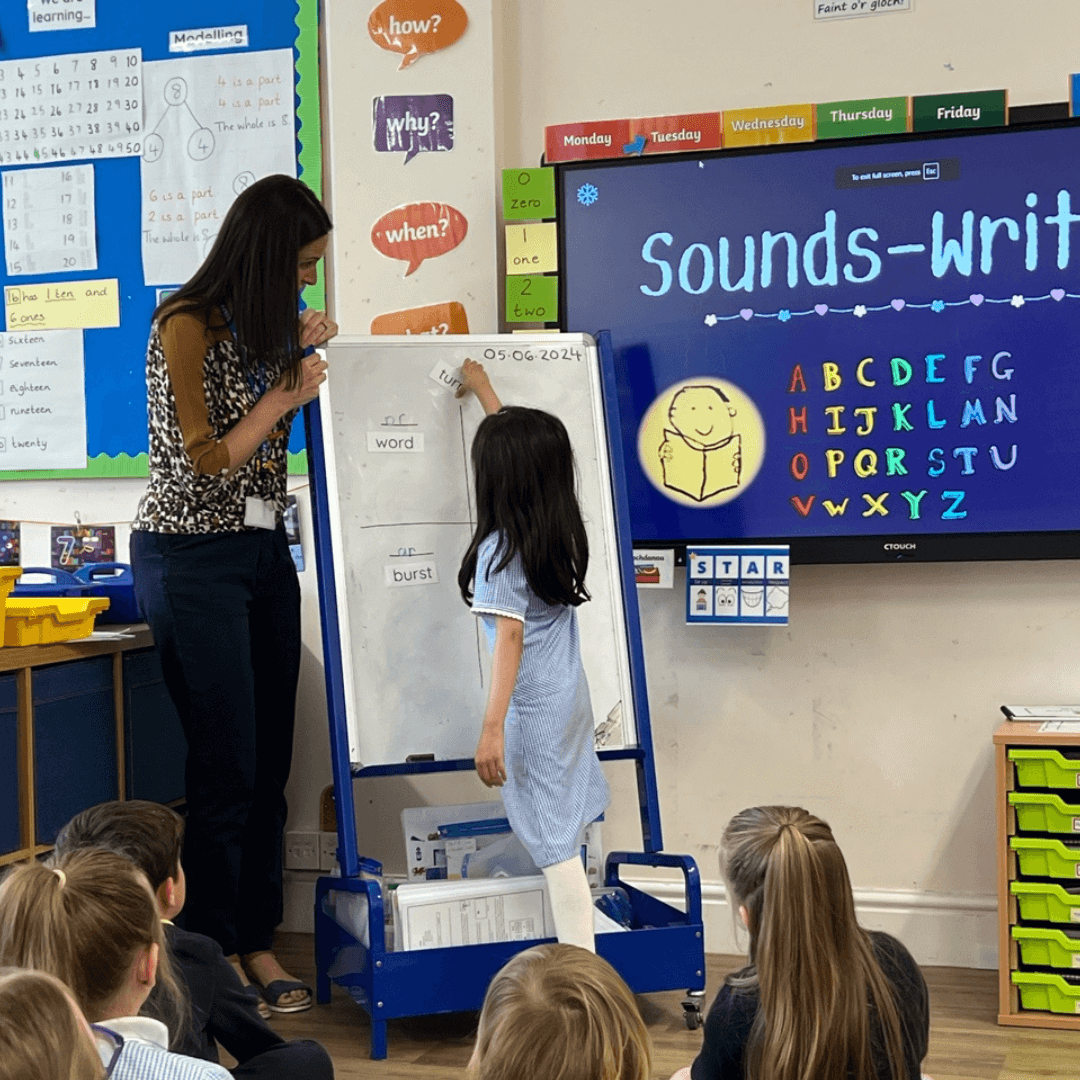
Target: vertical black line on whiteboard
472	525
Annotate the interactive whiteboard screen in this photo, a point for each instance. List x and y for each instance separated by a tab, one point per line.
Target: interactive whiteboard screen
867	349
402	512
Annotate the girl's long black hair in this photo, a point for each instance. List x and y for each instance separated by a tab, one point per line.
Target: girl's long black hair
524	470
251	271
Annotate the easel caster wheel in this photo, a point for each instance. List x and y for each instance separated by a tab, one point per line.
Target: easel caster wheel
692	1013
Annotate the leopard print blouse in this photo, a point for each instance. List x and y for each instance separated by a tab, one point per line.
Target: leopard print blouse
196	392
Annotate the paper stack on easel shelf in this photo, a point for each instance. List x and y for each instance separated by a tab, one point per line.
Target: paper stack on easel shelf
439	914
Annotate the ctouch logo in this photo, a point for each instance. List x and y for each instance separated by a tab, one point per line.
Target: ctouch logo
900	547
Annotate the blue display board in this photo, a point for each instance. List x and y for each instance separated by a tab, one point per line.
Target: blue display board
115	359
873	339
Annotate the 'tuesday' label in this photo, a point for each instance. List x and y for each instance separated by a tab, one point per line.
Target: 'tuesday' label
684	132
411	573
392	442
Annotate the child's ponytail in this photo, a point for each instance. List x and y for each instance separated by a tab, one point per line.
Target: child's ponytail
84	922
812	964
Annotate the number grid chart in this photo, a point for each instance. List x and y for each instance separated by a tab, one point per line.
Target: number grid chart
738	585
49	223
80	105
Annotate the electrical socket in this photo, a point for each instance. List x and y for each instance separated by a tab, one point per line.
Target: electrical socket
327	851
302	851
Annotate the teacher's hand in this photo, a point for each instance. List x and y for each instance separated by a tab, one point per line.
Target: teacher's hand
316	328
313	371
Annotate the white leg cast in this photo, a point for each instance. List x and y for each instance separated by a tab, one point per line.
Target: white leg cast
571	903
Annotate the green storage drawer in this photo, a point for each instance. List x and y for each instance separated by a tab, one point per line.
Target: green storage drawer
1050	993
1046	902
1048	948
1039	811
1042	857
1045	768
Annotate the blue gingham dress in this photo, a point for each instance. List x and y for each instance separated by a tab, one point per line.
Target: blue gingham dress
554	784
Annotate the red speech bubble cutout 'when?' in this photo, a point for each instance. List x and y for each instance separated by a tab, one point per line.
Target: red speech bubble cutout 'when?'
419	231
415	27
448	318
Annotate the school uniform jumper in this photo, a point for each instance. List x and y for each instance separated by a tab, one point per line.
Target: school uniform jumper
223	1013
223	602
145	1054
731	1019
554	784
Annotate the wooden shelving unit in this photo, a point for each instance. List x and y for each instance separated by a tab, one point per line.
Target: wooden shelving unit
1009	735
87	702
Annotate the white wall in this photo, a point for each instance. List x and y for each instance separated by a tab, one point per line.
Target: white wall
875	707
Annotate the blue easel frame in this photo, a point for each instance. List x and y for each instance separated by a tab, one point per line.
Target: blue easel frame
664	950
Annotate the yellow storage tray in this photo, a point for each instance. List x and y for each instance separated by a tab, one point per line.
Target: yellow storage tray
1048	948
1036	767
1053	993
35	620
8	576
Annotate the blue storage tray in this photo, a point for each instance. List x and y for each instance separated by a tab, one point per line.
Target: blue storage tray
61	583
112	580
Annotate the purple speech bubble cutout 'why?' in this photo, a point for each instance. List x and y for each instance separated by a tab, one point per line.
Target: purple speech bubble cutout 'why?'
413	123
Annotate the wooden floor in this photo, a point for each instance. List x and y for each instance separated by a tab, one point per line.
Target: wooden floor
966	1042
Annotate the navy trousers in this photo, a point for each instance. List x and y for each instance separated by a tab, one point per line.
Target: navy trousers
224	609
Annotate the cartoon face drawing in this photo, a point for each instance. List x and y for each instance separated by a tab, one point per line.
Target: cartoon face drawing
702	415
753	596
701	455
725	599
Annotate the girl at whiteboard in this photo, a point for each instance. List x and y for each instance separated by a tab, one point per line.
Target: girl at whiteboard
524	576
226	373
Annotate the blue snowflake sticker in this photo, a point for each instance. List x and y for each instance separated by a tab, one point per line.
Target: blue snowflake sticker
587	194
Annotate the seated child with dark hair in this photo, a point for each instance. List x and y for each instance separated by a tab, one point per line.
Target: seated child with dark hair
223	1011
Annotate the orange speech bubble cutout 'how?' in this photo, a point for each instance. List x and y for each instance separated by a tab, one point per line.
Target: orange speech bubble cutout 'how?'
447	318
415	27
419	231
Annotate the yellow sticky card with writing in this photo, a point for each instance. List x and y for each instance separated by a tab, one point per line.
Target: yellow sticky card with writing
531	249
63	305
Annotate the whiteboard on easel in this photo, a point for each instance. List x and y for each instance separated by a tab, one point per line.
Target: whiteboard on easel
396	443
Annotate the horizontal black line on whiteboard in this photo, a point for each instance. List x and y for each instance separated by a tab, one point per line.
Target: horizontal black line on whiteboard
409	554
406	524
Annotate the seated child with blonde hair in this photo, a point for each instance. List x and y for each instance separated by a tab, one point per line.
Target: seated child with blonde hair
820	998
560	1012
223	1012
43	1034
93	923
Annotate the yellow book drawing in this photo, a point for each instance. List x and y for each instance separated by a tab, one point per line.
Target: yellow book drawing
700	471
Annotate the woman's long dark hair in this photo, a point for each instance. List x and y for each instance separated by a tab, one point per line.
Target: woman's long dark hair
524	470
251	271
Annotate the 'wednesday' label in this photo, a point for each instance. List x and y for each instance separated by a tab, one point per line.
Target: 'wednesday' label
768	127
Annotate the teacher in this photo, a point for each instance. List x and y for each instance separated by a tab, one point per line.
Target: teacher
226	374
